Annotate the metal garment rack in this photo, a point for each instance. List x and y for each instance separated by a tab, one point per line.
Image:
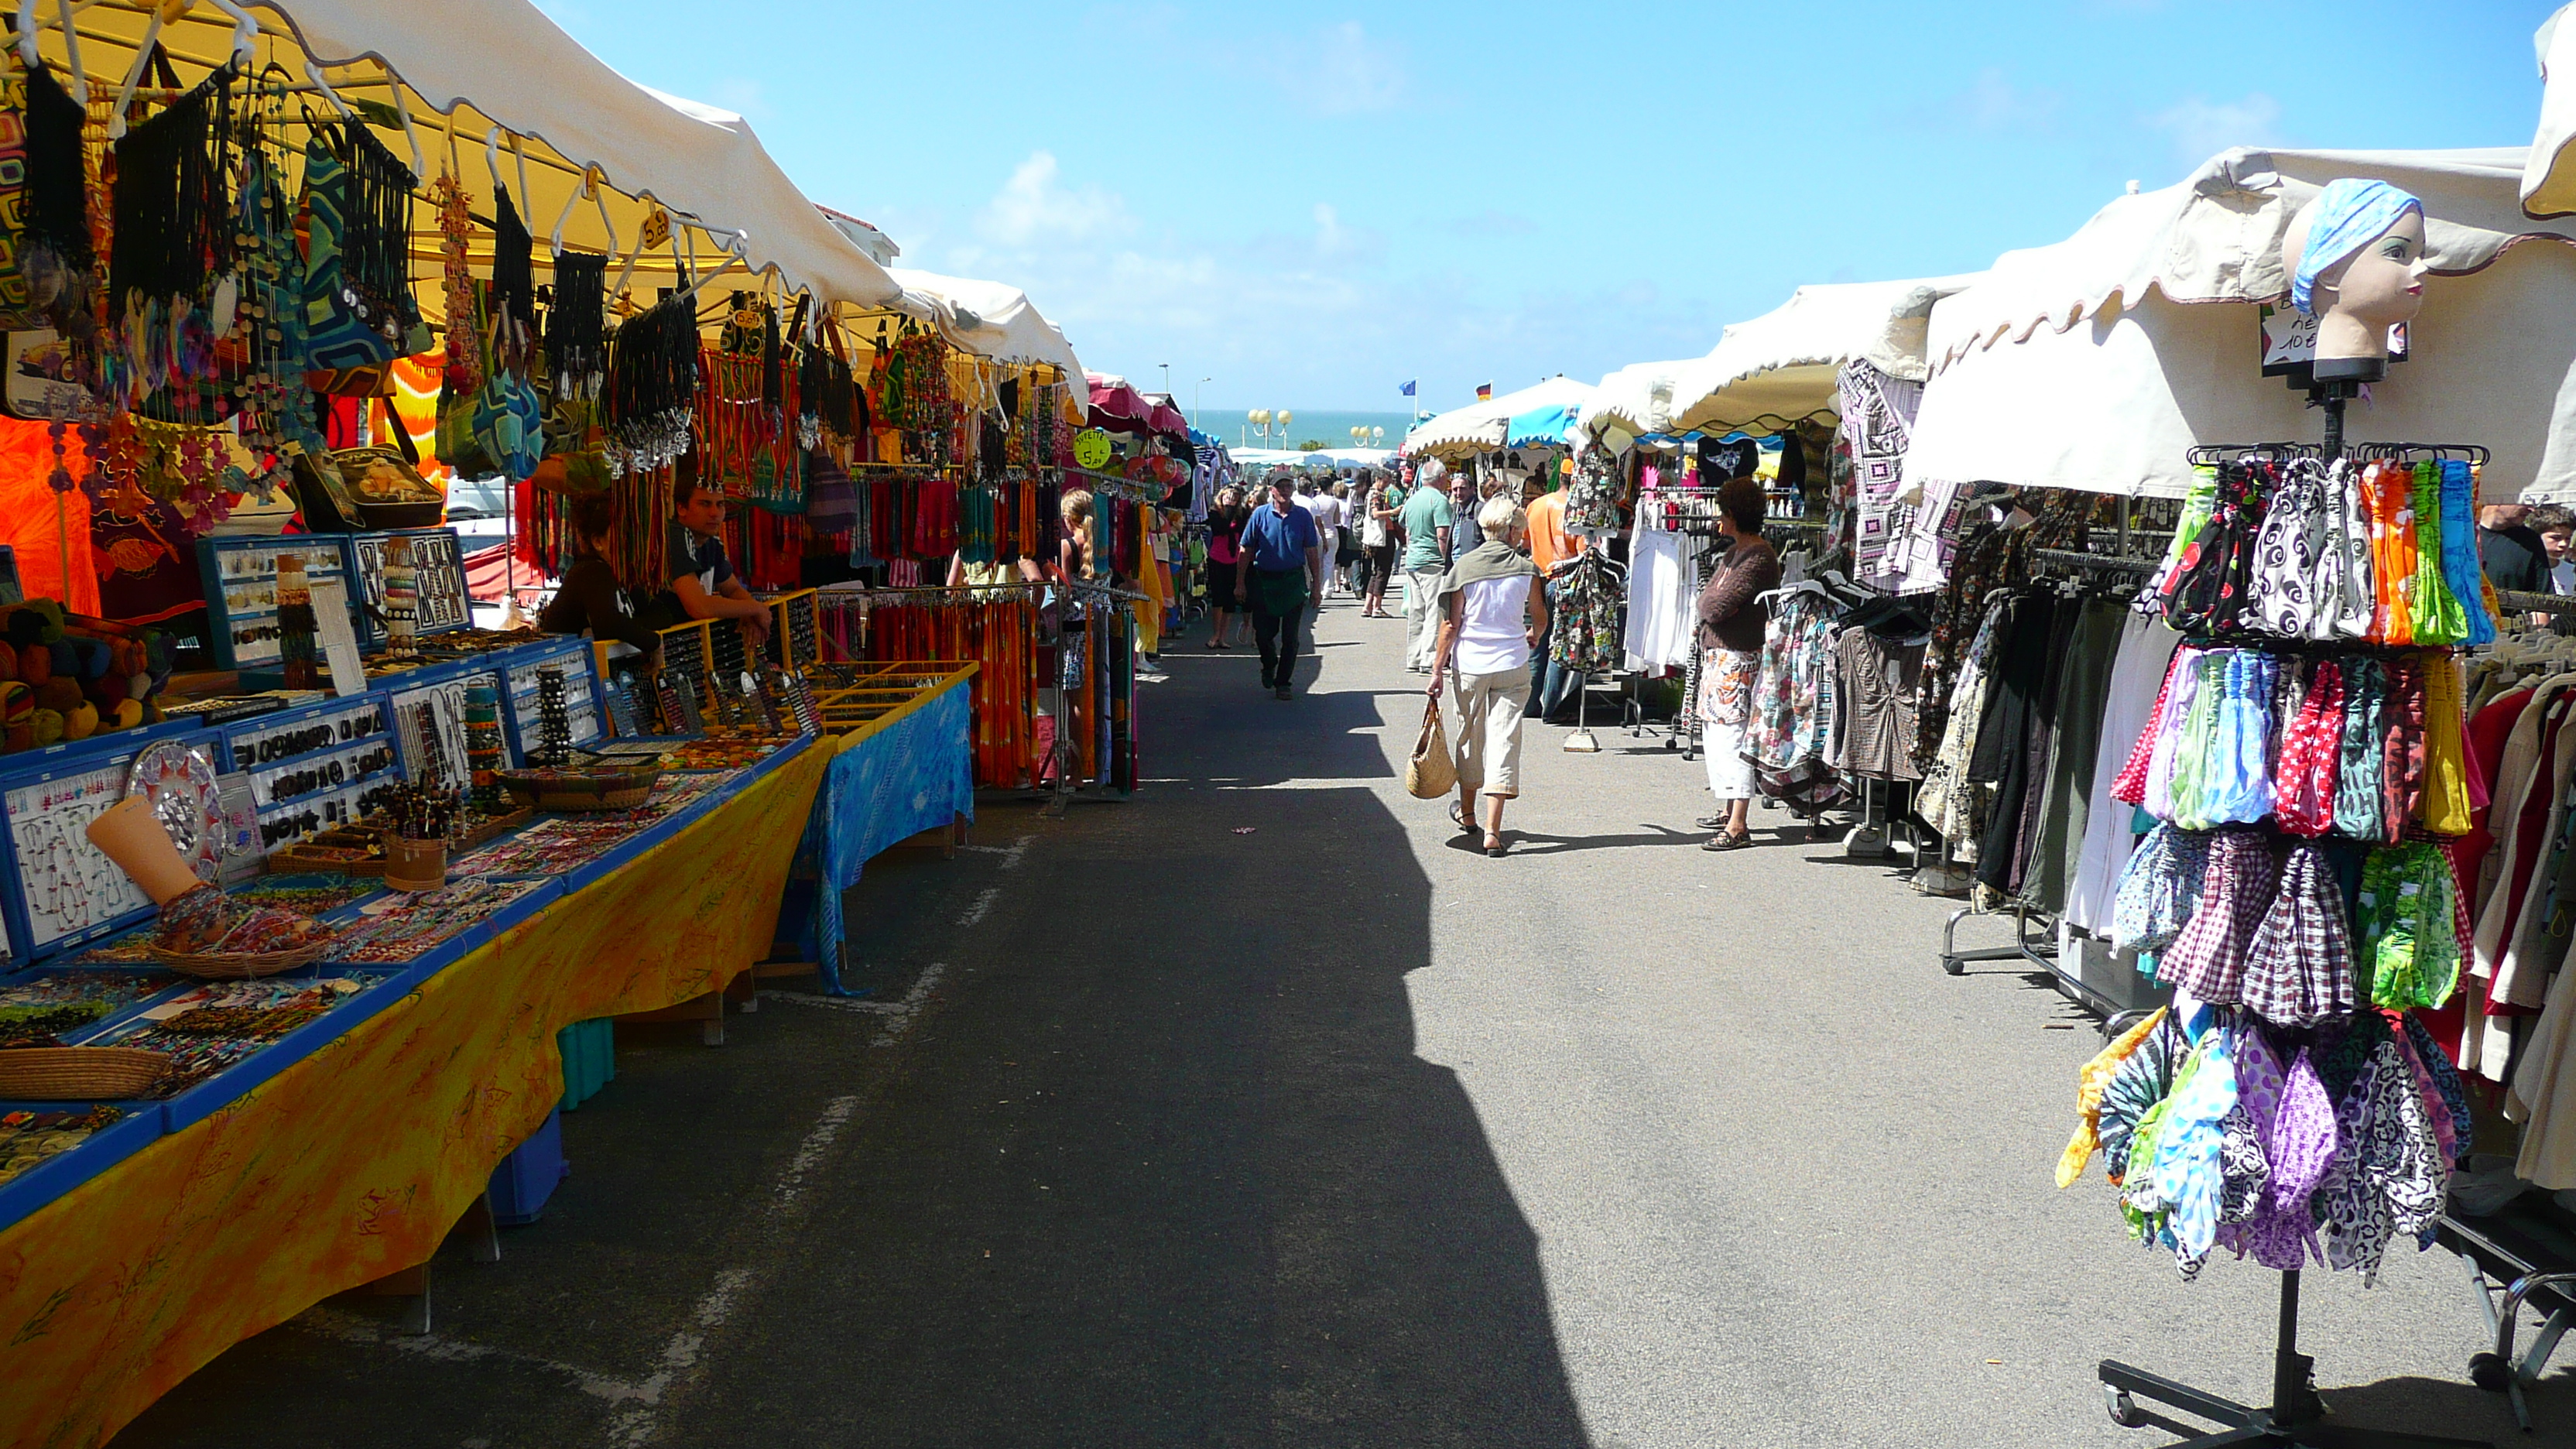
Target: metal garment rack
2296	1414
2045	954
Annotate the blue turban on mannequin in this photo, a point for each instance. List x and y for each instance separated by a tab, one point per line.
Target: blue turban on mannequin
2342	220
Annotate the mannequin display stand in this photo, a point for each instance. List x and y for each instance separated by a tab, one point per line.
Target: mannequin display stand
2296	1415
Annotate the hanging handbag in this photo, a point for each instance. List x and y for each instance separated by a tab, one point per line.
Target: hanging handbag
1433	770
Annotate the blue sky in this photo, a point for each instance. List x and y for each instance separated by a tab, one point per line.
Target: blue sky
1311	203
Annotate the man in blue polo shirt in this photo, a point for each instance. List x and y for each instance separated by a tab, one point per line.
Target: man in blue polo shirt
1280	566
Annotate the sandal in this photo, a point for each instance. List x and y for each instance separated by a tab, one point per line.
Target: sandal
1494	847
1728	840
1458	817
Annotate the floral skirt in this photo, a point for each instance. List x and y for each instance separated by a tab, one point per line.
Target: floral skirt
1726	680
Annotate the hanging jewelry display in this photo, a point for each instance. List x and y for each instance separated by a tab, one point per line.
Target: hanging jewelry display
402	600
56	252
171	291
576	345
650	387
455	229
485	751
297	659
276	402
554	726
514	286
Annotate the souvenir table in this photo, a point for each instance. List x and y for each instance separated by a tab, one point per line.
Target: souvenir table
375	1123
908	768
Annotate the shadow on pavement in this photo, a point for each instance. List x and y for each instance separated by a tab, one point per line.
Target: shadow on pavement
1168	1170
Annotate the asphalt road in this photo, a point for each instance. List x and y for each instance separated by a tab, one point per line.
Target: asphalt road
1261	1111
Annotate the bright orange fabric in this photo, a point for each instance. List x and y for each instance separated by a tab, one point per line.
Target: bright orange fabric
37	523
353	1164
1548	540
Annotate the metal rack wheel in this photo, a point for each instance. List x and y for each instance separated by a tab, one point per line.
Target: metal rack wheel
2122	1409
2492	1372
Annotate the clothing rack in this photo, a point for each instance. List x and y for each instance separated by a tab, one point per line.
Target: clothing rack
2296	1413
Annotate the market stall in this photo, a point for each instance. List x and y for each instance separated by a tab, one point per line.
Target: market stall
398	854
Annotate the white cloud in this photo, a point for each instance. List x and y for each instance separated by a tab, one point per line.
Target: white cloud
1313	315
1033	206
2201	128
1341	72
1991	103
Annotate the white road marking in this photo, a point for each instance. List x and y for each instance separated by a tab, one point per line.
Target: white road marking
983	903
836	1115
898	1014
682	1354
1010	854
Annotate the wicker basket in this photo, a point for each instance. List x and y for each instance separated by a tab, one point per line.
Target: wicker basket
237	965
79	1074
585	790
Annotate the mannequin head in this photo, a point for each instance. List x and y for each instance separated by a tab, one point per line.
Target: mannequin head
2358	264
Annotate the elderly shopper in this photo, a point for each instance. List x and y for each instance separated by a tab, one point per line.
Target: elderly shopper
1491	616
1731	620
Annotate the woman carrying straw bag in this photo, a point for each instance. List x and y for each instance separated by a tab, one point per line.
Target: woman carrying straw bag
1491	617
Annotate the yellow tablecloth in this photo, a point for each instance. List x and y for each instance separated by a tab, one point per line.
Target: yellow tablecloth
353	1163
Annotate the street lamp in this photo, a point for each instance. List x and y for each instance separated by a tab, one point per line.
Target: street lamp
1285	417
1261	416
1378	436
1167	377
1195	390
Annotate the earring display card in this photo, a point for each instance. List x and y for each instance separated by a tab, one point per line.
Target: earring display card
581	710
800	699
621	709
69	890
429	729
241	593
438	563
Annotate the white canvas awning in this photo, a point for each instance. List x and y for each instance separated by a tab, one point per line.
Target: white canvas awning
1781	366
2097	362
434	81
2549	176
1479	427
1636	400
511	63
987	319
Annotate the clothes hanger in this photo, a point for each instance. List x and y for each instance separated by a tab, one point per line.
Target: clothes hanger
27	51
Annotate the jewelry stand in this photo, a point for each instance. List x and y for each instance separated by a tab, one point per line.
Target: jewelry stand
2297	1414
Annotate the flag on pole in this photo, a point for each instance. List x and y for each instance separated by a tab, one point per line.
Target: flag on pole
1406	390
1484	392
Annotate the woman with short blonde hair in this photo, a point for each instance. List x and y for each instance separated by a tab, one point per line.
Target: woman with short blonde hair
1493	617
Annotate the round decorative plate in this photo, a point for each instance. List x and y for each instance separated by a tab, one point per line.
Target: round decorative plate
180	782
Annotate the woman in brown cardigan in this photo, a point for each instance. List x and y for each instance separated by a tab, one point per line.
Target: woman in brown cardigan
1731	620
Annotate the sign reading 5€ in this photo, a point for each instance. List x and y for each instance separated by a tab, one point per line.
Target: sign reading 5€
1091	447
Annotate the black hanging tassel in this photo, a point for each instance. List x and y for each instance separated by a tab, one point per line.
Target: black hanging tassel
652	382
173	216
376	249
576	349
514	276
54	253
773	384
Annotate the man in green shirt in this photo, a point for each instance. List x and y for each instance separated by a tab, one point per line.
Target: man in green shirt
1426	519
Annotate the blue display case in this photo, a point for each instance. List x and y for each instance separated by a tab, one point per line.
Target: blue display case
240	576
315	766
438	564
62	890
582	710
428	716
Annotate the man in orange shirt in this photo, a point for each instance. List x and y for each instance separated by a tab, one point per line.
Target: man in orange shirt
1549	545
